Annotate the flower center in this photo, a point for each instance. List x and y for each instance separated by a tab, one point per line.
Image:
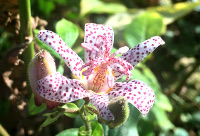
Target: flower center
101	80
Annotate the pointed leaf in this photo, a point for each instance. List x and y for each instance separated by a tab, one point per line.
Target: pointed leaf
97	6
144	26
71	110
69	132
176	11
97	129
67	31
51	117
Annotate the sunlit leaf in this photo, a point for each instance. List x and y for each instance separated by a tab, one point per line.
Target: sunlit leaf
176	11
71	110
50	118
97	6
67	31
143	27
161	118
180	132
69	132
97	129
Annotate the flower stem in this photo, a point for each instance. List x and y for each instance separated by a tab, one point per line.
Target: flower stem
26	30
85	119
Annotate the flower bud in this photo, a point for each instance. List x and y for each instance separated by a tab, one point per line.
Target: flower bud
119	108
41	66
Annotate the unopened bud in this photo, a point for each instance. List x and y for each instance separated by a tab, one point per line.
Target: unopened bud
119	108
41	66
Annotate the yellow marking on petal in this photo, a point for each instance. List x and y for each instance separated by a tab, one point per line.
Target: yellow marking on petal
96	69
113	73
109	90
83	86
82	76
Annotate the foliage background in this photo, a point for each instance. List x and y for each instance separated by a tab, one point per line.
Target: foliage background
171	70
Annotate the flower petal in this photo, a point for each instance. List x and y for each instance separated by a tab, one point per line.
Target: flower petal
58	88
100	37
137	54
136	92
100	101
142	50
72	60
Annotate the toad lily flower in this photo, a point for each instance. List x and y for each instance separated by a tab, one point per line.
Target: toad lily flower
96	77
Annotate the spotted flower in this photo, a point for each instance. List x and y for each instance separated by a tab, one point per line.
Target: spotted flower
97	76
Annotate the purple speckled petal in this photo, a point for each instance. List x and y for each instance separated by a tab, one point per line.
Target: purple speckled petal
136	92
100	101
138	53
72	60
61	89
99	39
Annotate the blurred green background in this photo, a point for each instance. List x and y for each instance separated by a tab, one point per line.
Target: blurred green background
172	70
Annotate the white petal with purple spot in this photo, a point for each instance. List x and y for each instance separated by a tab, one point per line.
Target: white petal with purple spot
72	60
61	89
136	92
100	101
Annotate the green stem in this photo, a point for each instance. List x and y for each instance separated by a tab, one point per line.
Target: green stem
85	119
26	30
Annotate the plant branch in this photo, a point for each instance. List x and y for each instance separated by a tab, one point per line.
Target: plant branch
85	119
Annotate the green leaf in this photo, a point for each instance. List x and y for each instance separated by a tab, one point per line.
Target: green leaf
180	132
176	11
71	110
143	27
67	31
97	129
51	117
33	109
161	118
97	6
114	50
45	47
49	7
69	132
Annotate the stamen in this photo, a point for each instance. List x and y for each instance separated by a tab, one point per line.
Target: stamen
89	47
110	78
127	66
93	63
121	50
